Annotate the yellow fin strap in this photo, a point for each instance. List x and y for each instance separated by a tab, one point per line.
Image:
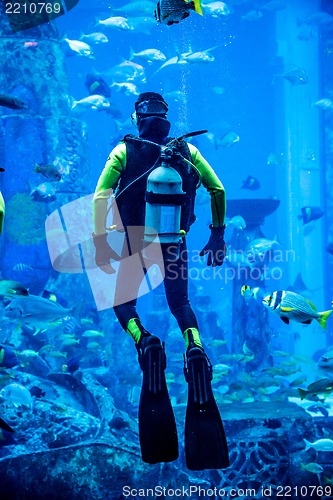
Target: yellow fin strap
196	337
287	309
133	330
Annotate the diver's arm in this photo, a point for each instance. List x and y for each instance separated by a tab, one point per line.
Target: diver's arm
213	185
109	177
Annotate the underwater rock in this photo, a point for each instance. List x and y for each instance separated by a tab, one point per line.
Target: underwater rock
79	391
84	471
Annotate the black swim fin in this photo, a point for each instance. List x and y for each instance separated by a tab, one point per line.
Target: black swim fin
157	426
205	442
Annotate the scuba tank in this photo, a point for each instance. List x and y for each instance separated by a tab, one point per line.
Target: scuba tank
164	198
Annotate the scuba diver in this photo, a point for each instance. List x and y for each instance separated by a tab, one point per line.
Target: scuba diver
126	171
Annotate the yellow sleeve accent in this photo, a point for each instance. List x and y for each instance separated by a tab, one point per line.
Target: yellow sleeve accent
213	185
198	7
2	212
109	177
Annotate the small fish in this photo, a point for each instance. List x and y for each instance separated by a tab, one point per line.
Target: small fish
30	44
275	159
116	22
218	90
95	38
28	354
37	392
10	287
93	101
43	193
252	15
238	222
16	394
324	103
318	409
93	346
259	247
324	386
316	19
69	342
12	102
251	183
50	171
216	9
128	71
272	423
149	55
72	365
57	354
202	56
218	343
118	423
80	48
312	467
173	11
229	139
96	85
8	358
310	213
127	88
292	306
21	266
248	292
296	76
92	333
325	362
319	445
39	312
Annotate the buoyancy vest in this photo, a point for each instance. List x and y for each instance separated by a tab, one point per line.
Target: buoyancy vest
140	157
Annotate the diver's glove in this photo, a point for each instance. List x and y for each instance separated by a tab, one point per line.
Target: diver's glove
104	253
215	247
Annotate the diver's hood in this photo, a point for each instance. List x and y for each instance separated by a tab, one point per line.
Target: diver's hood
154	128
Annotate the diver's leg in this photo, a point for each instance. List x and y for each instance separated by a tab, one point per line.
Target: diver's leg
157	426
176	290
205	442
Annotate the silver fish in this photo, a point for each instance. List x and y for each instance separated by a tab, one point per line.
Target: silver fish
81	48
216	9
43	192
296	76
39	312
95	38
149	55
95	101
117	22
